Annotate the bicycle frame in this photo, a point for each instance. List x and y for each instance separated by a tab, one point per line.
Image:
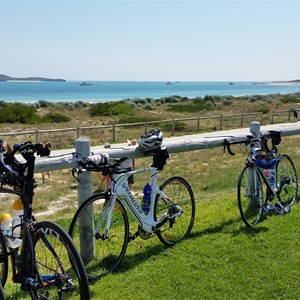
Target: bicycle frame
119	189
273	189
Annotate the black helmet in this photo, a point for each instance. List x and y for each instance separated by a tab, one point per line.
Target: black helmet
151	141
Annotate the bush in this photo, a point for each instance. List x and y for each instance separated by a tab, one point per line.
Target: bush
111	108
56	118
18	112
290	99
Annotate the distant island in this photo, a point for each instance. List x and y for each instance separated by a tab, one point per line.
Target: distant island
8	78
296	82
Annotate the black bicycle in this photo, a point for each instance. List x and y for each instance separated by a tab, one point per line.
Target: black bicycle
47	264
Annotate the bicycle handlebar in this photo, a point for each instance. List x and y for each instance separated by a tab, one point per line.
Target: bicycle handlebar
23	149
227	144
99	163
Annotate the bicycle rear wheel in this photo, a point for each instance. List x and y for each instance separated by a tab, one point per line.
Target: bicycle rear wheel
180	192
250	196
287	180
100	256
3	259
58	267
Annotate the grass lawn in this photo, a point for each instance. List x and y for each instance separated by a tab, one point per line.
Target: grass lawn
222	259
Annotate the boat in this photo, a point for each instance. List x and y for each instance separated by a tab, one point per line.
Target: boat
84	83
231	83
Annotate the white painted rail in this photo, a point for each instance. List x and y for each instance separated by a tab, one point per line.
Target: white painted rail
65	159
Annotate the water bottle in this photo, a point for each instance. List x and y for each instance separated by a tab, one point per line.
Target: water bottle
6	221
17	217
146	198
272	177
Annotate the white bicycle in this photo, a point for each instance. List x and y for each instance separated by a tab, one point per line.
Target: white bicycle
100	227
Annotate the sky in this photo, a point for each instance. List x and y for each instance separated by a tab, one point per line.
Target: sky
151	40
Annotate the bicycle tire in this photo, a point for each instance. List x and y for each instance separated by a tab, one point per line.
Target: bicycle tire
250	202
3	260
287	176
180	192
106	255
57	264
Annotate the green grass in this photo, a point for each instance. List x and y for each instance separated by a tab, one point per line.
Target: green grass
222	259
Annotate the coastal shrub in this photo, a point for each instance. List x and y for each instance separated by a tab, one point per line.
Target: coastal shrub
44	103
56	118
18	112
227	102
290	99
198	104
148	106
111	108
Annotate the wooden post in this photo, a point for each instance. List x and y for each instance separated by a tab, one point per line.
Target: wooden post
114	133
84	189
37	138
173	127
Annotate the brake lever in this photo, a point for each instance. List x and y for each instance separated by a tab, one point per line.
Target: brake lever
227	146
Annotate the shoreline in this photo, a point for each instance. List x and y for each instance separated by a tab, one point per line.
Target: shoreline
148	99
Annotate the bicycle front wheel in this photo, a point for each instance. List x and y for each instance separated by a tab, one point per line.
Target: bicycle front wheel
100	255
3	259
59	269
250	196
287	180
179	191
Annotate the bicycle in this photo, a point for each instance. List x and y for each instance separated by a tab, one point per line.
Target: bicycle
100	227
46	264
264	165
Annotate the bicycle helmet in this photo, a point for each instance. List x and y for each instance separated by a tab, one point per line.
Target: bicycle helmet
151	141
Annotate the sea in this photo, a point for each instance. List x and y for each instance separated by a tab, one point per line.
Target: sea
103	91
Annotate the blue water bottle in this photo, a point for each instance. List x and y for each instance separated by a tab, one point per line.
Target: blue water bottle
146	198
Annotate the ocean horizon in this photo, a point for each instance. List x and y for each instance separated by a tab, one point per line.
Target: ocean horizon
104	91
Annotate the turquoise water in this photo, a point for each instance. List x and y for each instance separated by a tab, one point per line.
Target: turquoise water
101	91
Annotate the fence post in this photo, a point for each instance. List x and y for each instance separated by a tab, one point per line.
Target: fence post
242	120
173	127
84	189
37	138
198	124
272	121
221	122
114	133
78	132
